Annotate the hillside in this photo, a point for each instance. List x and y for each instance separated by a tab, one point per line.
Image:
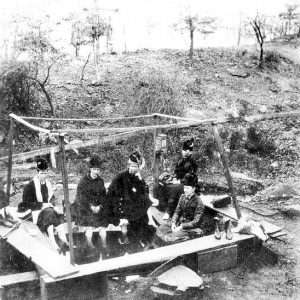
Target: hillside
223	82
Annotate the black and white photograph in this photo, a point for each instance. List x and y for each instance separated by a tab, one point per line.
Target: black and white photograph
149	149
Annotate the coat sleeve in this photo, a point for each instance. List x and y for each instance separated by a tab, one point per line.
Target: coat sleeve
82	196
197	217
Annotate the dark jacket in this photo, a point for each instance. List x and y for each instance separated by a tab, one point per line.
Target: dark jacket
30	201
185	165
91	192
128	197
188	212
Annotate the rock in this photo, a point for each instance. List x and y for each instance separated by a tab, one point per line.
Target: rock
238	73
180	276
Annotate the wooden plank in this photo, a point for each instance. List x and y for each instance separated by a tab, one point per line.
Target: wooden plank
25	155
87	120
226	169
157	255
33	230
46	258
228	211
197	121
245	177
218	259
12	279
270	228
66	197
30	126
277	234
120	129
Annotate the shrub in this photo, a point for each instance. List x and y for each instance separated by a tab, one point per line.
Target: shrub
156	92
272	59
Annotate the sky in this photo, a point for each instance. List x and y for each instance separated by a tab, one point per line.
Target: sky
144	23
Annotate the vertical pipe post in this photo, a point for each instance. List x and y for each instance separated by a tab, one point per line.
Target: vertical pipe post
226	169
9	167
66	196
156	162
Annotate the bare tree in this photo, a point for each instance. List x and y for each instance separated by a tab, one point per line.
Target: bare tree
42	57
192	23
259	27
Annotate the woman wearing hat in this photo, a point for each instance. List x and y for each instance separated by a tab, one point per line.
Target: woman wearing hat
91	203
38	196
128	199
172	189
187	216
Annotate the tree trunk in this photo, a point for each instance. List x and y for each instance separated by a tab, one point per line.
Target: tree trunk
261	55
77	51
191	54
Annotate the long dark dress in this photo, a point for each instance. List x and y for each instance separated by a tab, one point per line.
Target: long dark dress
185	165
47	216
128	198
91	192
170	193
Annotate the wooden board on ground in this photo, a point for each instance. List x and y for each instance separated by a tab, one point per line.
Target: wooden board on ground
229	211
44	257
157	255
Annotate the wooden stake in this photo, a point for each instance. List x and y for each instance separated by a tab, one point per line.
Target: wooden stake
156	162
9	167
66	196
226	170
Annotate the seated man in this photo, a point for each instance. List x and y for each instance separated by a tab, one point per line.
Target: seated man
128	200
186	219
171	188
38	196
90	204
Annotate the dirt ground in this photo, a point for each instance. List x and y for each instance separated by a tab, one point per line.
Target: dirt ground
272	273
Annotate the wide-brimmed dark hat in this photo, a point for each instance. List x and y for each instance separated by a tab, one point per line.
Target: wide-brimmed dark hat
41	164
190	180
95	162
188	144
135	157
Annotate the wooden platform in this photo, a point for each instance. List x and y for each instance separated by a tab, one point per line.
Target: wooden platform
230	212
37	248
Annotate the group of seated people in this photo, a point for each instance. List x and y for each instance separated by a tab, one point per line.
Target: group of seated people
124	203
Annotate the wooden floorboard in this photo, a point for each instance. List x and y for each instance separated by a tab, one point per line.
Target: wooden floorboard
157	255
44	257
230	212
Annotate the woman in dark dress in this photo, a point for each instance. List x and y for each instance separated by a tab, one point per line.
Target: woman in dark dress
128	199
38	196
171	188
185	223
91	203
